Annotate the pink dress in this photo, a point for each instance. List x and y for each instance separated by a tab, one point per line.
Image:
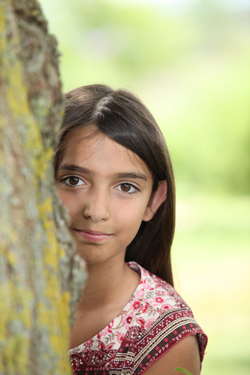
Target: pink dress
154	320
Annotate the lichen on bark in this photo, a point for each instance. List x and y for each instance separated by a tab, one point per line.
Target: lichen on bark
37	256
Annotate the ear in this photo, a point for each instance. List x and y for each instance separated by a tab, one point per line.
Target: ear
156	199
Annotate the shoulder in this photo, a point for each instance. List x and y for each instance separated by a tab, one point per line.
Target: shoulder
155	291
184	355
174	331
167	322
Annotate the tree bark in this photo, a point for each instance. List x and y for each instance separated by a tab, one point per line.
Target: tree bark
40	280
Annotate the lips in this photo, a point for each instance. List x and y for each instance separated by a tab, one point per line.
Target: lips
93	236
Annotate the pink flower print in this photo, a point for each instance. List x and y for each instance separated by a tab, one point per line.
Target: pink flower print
102	346
109	346
89	343
104	332
151	274
110	326
159	300
160	284
136	305
146	286
120	337
167	306
140	293
141	321
144	308
148	323
129	319
160	292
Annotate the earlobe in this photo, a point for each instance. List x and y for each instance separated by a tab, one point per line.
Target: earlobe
156	199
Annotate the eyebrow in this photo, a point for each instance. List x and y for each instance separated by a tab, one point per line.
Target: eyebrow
76	168
137	175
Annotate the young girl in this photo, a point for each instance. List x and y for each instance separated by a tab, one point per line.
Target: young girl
114	174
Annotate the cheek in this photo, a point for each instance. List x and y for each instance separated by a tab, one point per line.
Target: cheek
130	216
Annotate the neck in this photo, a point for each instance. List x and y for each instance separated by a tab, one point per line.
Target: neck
108	282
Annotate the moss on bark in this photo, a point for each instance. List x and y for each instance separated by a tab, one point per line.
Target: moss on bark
36	252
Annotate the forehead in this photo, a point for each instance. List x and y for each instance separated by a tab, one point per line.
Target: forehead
88	145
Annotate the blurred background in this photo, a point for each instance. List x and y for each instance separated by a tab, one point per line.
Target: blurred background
189	61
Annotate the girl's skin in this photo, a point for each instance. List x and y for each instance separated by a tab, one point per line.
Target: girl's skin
108	192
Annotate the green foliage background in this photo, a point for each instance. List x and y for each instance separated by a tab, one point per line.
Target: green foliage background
191	66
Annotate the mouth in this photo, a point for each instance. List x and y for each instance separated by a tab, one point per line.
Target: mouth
92	236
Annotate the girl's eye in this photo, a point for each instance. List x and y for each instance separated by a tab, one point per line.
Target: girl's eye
127	188
73	181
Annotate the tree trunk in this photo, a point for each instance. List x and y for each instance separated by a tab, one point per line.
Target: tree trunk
38	272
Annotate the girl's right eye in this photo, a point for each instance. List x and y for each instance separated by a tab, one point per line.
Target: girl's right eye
73	181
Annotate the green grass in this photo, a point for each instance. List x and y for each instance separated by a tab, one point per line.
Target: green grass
211	256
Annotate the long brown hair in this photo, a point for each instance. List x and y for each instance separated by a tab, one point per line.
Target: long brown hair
122	117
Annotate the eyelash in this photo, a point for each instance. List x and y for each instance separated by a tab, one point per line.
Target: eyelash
64	180
135	189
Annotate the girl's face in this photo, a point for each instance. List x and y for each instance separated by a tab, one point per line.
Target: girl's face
107	190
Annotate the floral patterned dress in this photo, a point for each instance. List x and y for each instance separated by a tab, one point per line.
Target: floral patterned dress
155	319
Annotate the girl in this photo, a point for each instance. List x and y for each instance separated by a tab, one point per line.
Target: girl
114	174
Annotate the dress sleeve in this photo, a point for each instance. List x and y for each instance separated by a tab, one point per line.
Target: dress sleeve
171	327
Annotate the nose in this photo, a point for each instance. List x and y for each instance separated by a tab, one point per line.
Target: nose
96	205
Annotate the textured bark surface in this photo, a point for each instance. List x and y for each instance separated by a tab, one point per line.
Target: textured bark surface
38	271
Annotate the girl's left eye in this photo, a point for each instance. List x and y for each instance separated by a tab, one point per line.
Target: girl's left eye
127	188
73	181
